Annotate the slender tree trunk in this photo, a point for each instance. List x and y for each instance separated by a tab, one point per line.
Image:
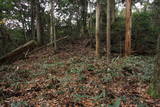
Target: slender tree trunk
51	22
24	29
55	38
113	11
108	33
22	14
128	28
90	21
33	19
52	26
84	4
156	84
39	39
97	30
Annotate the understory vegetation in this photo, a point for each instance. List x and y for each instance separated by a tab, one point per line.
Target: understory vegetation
79	53
76	78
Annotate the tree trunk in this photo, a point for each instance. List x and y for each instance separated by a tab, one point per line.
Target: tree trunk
157	71
108	33
38	30
55	38
97	30
51	22
84	30
128	28
33	19
155	92
113	11
90	21
154	89
52	26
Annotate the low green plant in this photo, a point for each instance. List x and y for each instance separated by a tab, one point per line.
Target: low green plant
76	70
107	79
90	67
20	104
117	103
81	78
142	105
153	92
57	64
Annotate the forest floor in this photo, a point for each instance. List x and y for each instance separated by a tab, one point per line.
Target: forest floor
73	77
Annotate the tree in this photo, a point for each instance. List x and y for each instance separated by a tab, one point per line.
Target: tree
108	33
52	26
154	90
97	30
38	29
113	11
128	28
84	5
33	19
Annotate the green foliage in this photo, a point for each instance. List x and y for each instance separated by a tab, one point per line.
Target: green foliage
144	33
76	70
79	97
19	104
143	30
142	23
90	67
142	105
81	78
6	5
116	103
152	91
48	66
107	78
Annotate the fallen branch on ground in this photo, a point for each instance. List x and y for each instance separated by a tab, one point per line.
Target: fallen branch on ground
18	52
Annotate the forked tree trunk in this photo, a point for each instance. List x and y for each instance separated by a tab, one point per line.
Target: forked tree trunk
108	33
97	30
128	28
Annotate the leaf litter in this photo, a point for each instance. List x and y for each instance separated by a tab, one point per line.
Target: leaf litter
73	77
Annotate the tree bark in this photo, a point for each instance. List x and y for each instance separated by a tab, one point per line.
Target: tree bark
97	30
33	19
84	4
113	11
38	30
52	26
128	28
51	22
156	77
108	33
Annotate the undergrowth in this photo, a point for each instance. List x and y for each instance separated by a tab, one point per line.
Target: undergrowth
83	78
